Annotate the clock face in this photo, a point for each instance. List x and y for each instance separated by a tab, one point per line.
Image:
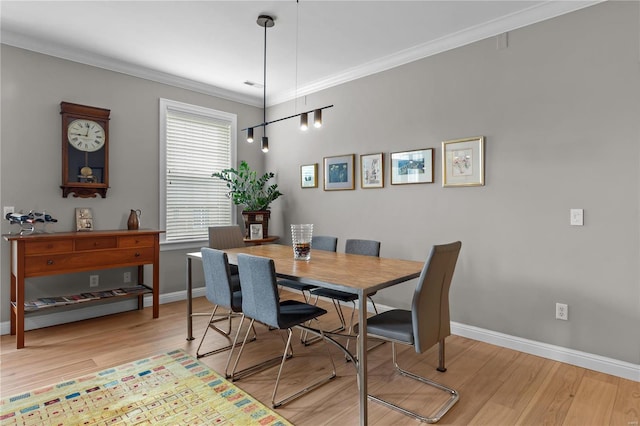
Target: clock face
85	135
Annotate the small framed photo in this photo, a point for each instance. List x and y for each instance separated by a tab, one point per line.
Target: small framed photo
372	171
463	162
338	172
255	231
309	175
412	166
84	219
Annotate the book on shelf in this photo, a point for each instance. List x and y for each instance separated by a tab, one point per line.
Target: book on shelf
47	302
135	290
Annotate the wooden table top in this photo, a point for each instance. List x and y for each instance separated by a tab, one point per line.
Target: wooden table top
340	271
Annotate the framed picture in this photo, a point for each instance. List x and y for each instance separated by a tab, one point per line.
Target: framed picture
255	231
309	175
463	162
338	172
412	166
372	171
84	219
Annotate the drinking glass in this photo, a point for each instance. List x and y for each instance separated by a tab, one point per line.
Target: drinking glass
301	240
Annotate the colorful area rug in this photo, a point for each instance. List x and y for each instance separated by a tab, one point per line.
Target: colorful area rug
168	389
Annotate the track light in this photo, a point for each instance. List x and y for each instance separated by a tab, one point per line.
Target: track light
317	118
266	21
304	121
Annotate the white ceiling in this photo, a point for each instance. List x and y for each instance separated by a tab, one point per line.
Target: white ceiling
215	46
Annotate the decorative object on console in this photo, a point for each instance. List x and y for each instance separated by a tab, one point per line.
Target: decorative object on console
256	231
252	192
84	219
309	176
133	222
463	162
412	166
85	150
372	171
338	172
267	21
29	222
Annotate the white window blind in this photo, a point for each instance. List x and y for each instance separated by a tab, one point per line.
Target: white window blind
197	142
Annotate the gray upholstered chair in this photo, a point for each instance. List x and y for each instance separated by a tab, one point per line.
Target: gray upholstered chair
261	303
319	242
223	291
426	324
225	237
352	246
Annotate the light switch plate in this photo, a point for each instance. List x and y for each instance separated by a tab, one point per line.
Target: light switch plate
577	217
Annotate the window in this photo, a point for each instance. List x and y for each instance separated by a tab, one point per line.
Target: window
194	143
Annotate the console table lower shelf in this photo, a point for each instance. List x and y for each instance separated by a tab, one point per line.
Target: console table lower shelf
38	255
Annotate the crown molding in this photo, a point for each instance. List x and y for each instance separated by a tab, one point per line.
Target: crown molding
89	58
532	15
523	18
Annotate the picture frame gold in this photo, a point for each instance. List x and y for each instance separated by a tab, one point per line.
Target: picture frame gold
463	162
84	219
339	172
309	175
409	167
372	171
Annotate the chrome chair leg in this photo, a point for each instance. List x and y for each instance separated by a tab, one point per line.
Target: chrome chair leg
237	375
308	388
342	327
211	325
442	410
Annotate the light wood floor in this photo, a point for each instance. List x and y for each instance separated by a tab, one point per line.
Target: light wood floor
497	386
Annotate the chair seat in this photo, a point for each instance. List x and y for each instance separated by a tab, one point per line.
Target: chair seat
293	312
234	281
236	302
393	325
296	285
342	296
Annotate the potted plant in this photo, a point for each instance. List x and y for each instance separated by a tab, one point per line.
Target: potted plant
252	192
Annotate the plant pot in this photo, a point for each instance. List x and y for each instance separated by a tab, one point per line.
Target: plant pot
260	217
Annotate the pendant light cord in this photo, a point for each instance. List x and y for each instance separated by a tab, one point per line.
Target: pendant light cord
264	86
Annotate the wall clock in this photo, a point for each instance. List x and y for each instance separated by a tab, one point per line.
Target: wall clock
85	150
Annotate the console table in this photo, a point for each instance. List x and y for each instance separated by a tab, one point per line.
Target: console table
38	255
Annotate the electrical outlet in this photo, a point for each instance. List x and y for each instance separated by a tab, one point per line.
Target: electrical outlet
562	311
6	210
94	280
127	277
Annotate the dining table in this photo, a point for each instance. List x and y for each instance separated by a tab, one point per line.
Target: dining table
351	273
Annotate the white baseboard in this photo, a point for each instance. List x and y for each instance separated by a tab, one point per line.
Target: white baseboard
611	366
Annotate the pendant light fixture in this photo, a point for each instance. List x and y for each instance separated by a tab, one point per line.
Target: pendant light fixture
267	21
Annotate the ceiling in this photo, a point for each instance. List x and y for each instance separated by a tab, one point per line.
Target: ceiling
214	47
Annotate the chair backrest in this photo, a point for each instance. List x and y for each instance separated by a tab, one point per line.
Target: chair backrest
219	283
260	299
325	243
364	247
430	305
225	237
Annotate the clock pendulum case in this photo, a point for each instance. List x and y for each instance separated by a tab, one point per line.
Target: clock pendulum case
85	150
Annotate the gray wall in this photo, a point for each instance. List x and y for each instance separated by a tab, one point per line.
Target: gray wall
33	85
559	109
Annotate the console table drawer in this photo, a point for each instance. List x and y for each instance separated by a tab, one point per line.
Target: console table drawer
137	241
96	243
56	246
71	262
